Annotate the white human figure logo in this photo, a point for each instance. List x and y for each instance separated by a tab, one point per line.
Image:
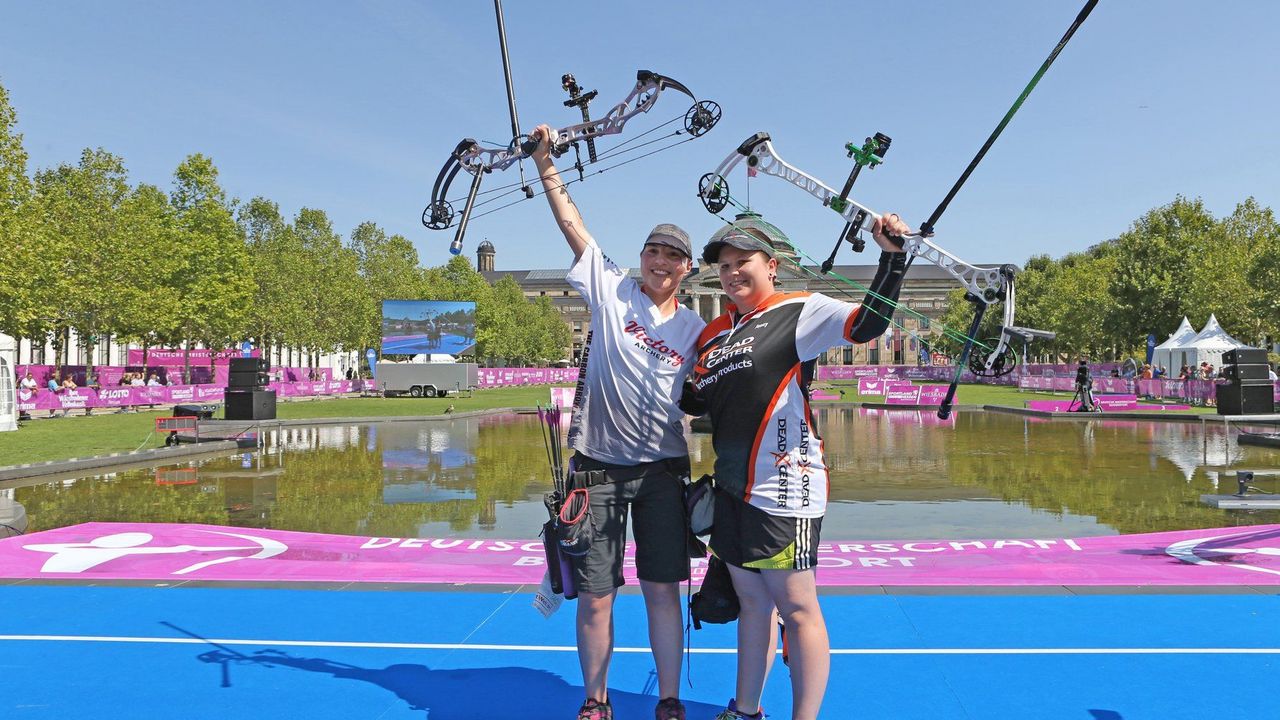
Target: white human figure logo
78	557
1189	551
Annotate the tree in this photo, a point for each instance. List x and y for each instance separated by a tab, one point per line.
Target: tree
1156	261
214	280
23	315
278	267
331	295
144	239
388	268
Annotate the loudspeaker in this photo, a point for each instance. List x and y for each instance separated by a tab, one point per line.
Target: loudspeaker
1244	356
1245	399
250	405
1244	372
202	412
247	380
250	364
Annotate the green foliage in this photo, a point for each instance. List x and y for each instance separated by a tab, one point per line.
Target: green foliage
24	314
214	280
1175	260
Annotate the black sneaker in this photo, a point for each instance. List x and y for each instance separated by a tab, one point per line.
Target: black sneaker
593	709
669	709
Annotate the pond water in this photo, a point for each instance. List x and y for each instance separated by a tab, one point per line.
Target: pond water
895	475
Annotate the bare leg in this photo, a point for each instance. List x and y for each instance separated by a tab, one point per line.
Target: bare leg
796	595
595	641
756	644
666	633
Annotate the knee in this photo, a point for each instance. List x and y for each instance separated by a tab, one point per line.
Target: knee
595	608
802	616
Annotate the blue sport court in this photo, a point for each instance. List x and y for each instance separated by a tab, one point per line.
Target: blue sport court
191	650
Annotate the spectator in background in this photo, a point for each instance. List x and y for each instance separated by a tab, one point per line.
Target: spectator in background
153	381
29	384
136	380
54	388
1271	374
91	382
1146	372
1161	372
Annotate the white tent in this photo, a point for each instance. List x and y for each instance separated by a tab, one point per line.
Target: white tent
1209	345
8	384
1168	354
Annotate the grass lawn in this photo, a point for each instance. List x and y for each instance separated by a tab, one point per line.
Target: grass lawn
106	432
994	395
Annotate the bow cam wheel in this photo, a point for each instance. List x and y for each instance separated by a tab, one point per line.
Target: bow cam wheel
701	117
713	190
438	215
1004	363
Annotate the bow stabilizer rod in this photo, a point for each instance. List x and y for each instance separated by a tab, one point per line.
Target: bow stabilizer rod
926	228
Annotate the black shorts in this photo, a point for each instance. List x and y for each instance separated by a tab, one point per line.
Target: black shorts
654	492
750	538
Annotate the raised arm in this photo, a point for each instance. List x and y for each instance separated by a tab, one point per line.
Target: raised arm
566	213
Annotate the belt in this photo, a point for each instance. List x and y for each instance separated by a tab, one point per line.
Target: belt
594	472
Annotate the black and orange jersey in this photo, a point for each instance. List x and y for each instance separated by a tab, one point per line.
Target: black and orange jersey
752	371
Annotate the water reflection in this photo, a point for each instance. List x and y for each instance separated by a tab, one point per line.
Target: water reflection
896	474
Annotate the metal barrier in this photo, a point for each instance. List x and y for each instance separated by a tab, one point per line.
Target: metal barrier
175	425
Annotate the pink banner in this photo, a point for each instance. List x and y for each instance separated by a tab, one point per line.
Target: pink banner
155	551
133	395
175	358
932	394
901	394
500	377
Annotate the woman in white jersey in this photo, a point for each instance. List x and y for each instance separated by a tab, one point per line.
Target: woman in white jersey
752	374
627	425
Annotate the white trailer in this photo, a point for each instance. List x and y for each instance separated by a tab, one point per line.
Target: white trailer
425	379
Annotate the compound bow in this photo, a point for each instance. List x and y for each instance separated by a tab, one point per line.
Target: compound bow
479	160
984	286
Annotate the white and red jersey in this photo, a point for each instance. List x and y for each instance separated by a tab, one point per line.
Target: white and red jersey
626	411
753	371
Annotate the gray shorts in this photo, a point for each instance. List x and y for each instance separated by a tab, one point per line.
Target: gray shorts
654	493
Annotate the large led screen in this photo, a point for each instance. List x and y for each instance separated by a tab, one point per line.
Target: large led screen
415	327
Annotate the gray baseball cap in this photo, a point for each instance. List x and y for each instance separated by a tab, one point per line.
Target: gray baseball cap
671	236
741	239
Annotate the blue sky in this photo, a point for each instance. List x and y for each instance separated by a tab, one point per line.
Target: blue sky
353	107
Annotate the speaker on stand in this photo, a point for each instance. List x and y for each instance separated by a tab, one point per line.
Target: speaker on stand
247	397
1249	391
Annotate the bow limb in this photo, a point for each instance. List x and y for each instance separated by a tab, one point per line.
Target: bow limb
987	284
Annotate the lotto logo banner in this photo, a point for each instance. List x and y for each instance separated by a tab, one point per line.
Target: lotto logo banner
155	551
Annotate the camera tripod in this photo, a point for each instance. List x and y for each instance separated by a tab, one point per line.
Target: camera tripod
1083	396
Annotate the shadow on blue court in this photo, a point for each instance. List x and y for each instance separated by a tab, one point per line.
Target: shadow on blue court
455	694
199	652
